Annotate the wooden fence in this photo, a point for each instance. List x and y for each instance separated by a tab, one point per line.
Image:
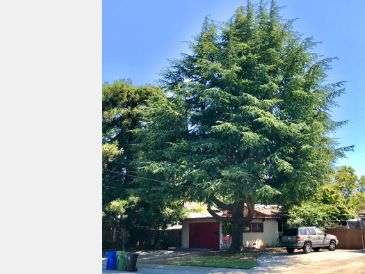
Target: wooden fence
349	238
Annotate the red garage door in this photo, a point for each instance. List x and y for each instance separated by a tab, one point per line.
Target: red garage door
204	235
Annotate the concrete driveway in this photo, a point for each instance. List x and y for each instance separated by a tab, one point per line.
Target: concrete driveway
339	261
324	261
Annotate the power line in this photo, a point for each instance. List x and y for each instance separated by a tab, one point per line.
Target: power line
113	187
145	178
186	153
137	177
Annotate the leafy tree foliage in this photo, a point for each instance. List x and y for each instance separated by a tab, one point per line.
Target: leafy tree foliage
339	199
346	180
115	215
361	184
351	188
309	213
136	213
327	205
246	118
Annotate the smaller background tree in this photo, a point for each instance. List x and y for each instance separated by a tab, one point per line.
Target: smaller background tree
340	199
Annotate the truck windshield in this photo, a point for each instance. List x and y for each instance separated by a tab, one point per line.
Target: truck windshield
290	232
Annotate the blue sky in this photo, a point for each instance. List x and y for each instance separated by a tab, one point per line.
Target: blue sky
140	36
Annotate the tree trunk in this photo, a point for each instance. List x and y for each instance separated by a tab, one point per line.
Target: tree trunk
237	227
238	220
237	237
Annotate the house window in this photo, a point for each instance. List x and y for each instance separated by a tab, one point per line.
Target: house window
280	226
247	228
257	227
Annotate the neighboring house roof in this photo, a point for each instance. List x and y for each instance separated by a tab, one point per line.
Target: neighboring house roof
356	223
192	205
173	227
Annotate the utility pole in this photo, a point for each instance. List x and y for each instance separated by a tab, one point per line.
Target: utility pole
362	233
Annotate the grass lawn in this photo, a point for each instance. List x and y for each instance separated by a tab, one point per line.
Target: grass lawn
243	261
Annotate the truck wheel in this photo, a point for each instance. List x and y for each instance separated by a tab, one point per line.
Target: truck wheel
332	246
307	248
290	250
316	249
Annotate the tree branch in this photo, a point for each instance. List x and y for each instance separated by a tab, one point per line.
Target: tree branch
250	207
217	217
221	204
238	212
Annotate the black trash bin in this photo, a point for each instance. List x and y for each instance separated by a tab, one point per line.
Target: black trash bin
132	262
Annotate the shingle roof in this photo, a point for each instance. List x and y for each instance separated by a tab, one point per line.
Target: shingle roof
261	211
269	210
199	215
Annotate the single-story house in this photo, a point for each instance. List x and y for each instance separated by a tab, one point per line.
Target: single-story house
201	230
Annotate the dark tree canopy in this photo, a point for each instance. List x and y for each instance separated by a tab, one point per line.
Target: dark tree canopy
123	106
247	118
127	206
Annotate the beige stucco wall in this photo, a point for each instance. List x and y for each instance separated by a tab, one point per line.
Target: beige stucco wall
185	230
270	236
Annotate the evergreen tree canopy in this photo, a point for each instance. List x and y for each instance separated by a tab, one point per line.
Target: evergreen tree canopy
247	118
